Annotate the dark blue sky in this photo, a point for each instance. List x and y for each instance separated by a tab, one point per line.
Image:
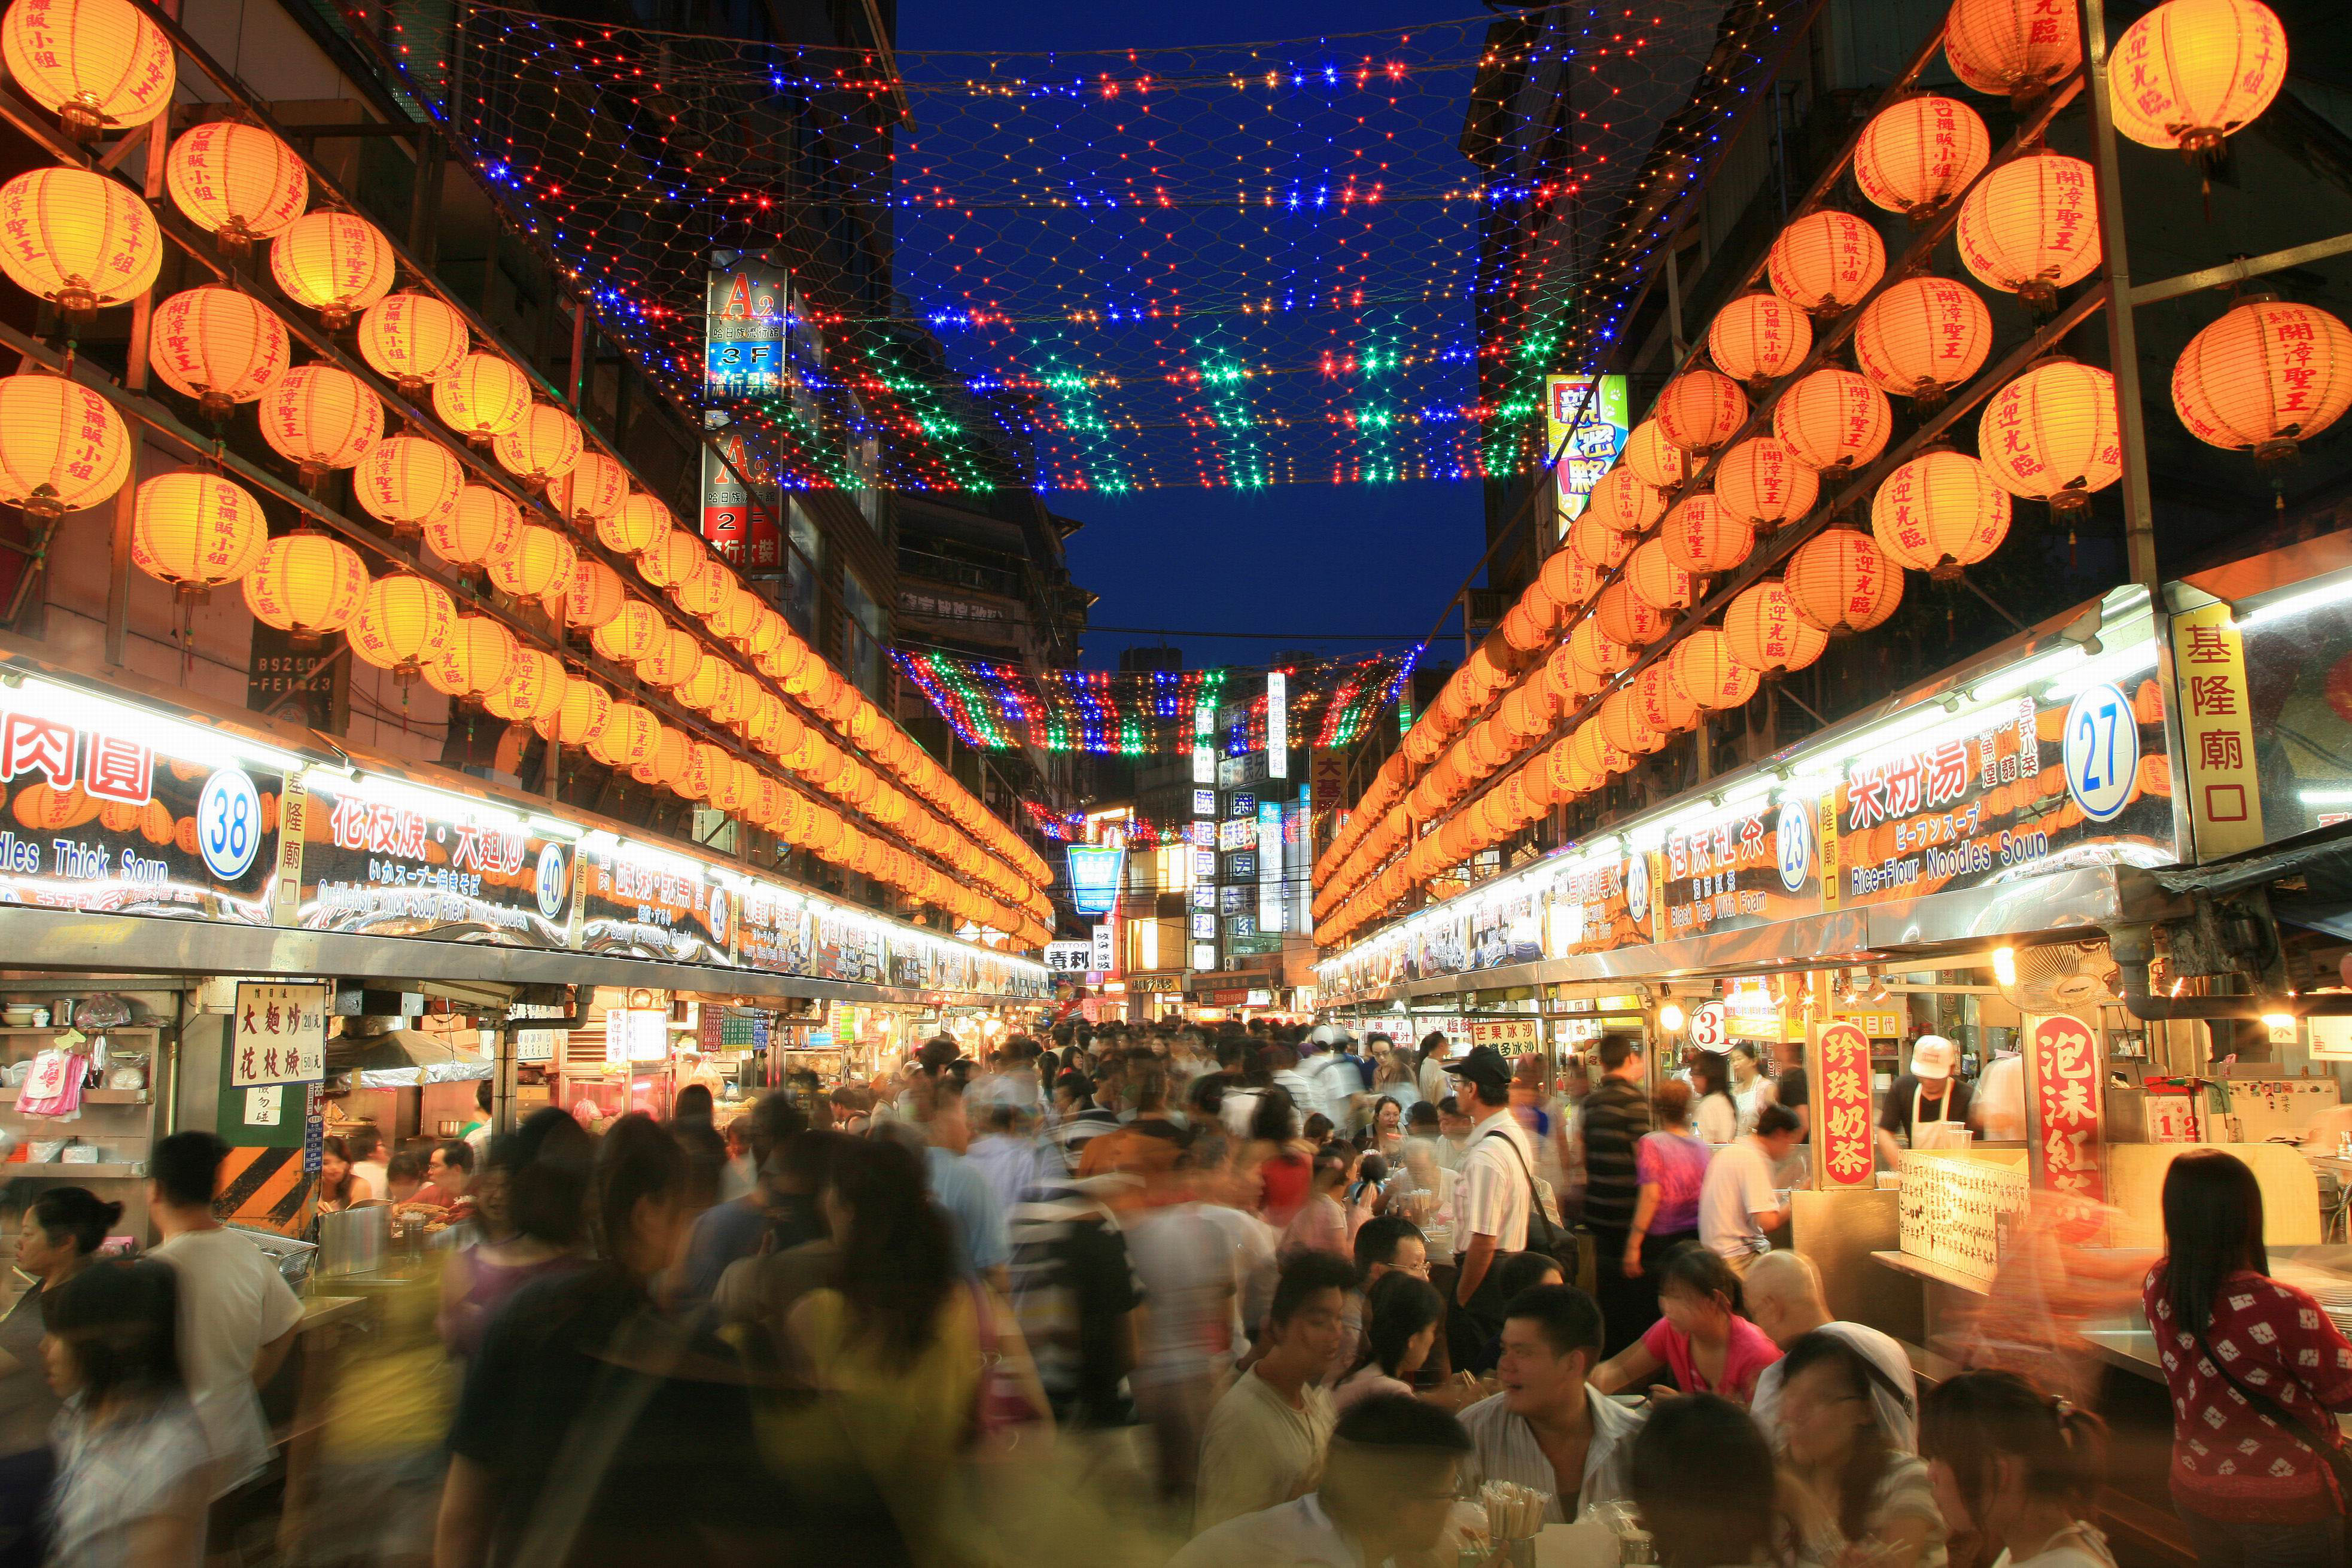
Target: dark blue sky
1289	560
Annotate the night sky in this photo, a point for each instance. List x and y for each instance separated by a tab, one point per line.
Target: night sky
1292	558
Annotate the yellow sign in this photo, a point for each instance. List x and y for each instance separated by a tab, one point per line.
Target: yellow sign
2217	731
1830	875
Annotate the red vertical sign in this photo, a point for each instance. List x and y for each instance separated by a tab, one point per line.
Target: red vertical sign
2061	1070
1842	1104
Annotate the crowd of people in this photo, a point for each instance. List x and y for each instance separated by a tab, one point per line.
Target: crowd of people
1250	1298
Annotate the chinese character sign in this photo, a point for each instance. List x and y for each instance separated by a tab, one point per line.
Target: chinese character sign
2217	731
1512	1037
2062	1067
277	1035
1596	408
1841	1135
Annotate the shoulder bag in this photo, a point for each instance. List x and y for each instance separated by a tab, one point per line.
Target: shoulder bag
1545	1232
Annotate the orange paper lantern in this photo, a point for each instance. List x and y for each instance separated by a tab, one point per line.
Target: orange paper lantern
1656	580
236	181
1622	618
1916	155
2264	377
1621	501
477	659
1825	261
481	527
78	238
404	620
1655	460
533	690
2013	47
2191	72
1706	674
1700	410
678	556
306	583
593	596
542	448
707	589
217	345
674	659
195	531
1595	654
1703	538
1939	513
2031	227
630	635
1661	701
62	446
408	481
337	264
1570	579
593	490
637	526
2051	434
1760	482
580	714
1833	419
483	398
628	737
1626	727
1759	337
1841	581
414	341
1600	546
96	64
1763	630
1922	336
319	417
540	564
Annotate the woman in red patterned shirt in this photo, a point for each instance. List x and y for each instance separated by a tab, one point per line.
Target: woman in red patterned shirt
2255	1369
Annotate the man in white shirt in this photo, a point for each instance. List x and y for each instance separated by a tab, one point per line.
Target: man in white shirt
1264	1445
1547	1428
1385	1496
237	1318
1784	1297
1738	1207
1491	1206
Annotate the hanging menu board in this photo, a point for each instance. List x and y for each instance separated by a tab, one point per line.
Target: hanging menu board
394	865
849	949
774	932
640	906
1508	931
1611	901
1743	871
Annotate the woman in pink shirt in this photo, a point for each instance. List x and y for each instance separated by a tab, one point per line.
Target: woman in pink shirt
1702	1341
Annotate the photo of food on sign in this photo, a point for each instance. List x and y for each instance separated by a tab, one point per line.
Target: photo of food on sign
643	908
100	820
406	866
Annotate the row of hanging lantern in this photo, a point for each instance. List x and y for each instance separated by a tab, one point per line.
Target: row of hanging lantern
84	241
2263	376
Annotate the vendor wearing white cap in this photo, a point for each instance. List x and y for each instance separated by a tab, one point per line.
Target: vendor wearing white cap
1927	1104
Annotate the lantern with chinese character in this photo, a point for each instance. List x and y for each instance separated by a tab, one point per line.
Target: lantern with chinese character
1825	261
628	737
2191	72
236	181
1656	580
1600	546
2264	377
1763	630
478	658
306	583
705	590
414	341
98	64
533	691
694	781
1916	155
1591	651
1700	410
1841	581
629	637
677	556
1760	482
78	238
2016	47
592	492
2051	436
195	531
1655	460
1939	513
1666	707
1621	501
673	659
483	398
62	446
636	527
1706	672
594	594
483	526
542	448
217	345
2031	227
1833	419
319	417
1759	337
1922	336
540	564
1601	758
408	481
403	621
579	715
1622	618
1703	538
1570	579
337	264
1626	728
1562	671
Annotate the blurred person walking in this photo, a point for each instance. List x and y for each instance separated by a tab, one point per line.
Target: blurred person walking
533	1220
1191	1279
1868	1497
1263	1444
2017	1470
57	1238
1703	1480
1075	1293
1616	1115
1492	1208
734	1230
1739	1206
1782	1292
1670	1165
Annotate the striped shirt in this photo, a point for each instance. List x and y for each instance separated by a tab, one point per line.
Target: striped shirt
1078	1129
1616	1115
1506	1450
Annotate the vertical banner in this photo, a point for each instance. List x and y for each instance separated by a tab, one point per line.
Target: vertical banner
1269	867
740	503
1277	725
2065	1127
1838	1067
743	330
1600	435
2217	729
1104	957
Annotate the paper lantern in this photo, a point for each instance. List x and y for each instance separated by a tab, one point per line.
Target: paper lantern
481	527
1763	630
631	634
476	660
1833	419
1703	538
77	238
1922	338
677	556
1562	673
1623	502
702	761
1841	581
62	446
1570	579
1915	156
636	527
666	760
628	737
195	531
1626	725
217	345
594	596
540	564
2191	72
236	181
1825	261
1656	580
306	583
674	659
580	713
533	690
1759	337
2031	227
542	448
1600	546
319	417
414	341
1625	619
593	490
403	623
337	264
1595	654
98	64
1601	758
2051	435
1700	410
2015	47
408	481
1760	482
1655	460
705	590
2264	377
1704	670
1939	513
482	399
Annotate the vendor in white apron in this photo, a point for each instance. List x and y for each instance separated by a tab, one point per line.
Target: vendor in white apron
1928	1107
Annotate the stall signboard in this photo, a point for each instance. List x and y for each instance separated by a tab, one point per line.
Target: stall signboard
1709	1027
1069	957
1613	896
277	1034
909	957
1509	930
636	903
2219	749
636	1035
774	931
743	314
1157	985
1095	874
1842	1136
849	947
1739	871
1512	1037
2062	1092
1435	948
384	861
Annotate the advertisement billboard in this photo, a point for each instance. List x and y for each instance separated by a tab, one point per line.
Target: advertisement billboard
1095	874
1601	422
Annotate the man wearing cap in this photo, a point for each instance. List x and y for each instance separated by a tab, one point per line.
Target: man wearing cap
1490	1218
1926	1103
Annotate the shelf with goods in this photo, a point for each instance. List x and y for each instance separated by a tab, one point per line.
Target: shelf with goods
120	1123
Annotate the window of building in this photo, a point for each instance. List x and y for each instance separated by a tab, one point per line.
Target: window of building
865	631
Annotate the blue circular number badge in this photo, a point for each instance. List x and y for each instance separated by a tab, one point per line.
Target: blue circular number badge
1794	832
2102	752
228	823
552	884
1637	886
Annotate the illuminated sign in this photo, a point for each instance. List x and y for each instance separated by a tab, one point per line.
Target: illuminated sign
1204	803
1236	833
743	330
1603	421
1068	957
1277	725
740	501
1269	866
1094	873
387	858
638	902
1205	927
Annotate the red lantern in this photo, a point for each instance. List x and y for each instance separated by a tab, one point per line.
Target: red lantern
2192	71
2014	48
1624	619
1656	580
1600	546
1760	482
1841	581
1709	676
1626	728
1621	501
1759	338
1665	706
